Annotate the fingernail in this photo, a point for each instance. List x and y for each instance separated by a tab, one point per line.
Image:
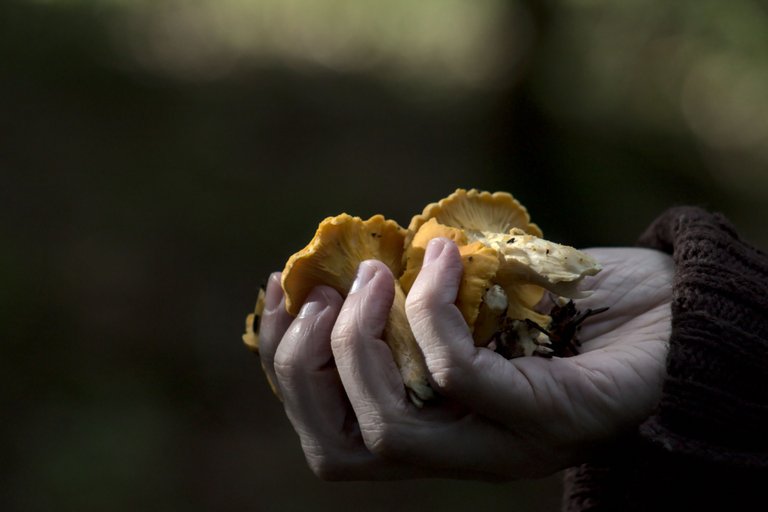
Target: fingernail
365	273
434	250
314	305
273	293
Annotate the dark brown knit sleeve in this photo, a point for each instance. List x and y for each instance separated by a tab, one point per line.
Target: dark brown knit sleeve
714	403
706	445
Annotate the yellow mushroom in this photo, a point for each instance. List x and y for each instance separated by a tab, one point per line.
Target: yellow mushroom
474	211
251	336
332	257
507	264
340	244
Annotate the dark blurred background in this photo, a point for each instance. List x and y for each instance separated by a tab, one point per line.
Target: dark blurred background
160	158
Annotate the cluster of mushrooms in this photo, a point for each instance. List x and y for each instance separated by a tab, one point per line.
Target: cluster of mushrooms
508	268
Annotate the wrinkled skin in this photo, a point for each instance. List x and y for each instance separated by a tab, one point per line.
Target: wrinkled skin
497	419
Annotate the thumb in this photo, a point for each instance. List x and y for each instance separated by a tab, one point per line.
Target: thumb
475	376
437	324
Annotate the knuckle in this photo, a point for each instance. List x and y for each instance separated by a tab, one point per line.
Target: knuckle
383	439
417	305
291	354
285	362
343	332
266	333
455	374
284	369
448	376
326	468
325	458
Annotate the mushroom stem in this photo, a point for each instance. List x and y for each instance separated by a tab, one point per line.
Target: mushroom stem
406	352
531	340
490	316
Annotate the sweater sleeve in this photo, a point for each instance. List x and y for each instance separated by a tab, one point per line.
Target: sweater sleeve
715	399
707	441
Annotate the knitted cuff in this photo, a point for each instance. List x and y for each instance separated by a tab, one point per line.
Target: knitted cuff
707	443
714	403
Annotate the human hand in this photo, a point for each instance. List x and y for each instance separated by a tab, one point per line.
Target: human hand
497	418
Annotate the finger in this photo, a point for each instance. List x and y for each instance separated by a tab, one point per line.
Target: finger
304	362
313	396
477	377
365	363
275	321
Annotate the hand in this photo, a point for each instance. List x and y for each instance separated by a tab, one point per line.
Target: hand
498	418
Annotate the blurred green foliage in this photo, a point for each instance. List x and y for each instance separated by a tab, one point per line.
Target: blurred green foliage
160	158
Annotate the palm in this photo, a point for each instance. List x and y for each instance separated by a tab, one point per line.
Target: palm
636	285
554	408
618	374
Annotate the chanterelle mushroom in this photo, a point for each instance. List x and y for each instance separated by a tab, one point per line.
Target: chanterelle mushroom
332	257
507	265
251	336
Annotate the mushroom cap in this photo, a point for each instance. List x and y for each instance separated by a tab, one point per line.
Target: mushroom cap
413	257
473	210
528	258
331	258
480	265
